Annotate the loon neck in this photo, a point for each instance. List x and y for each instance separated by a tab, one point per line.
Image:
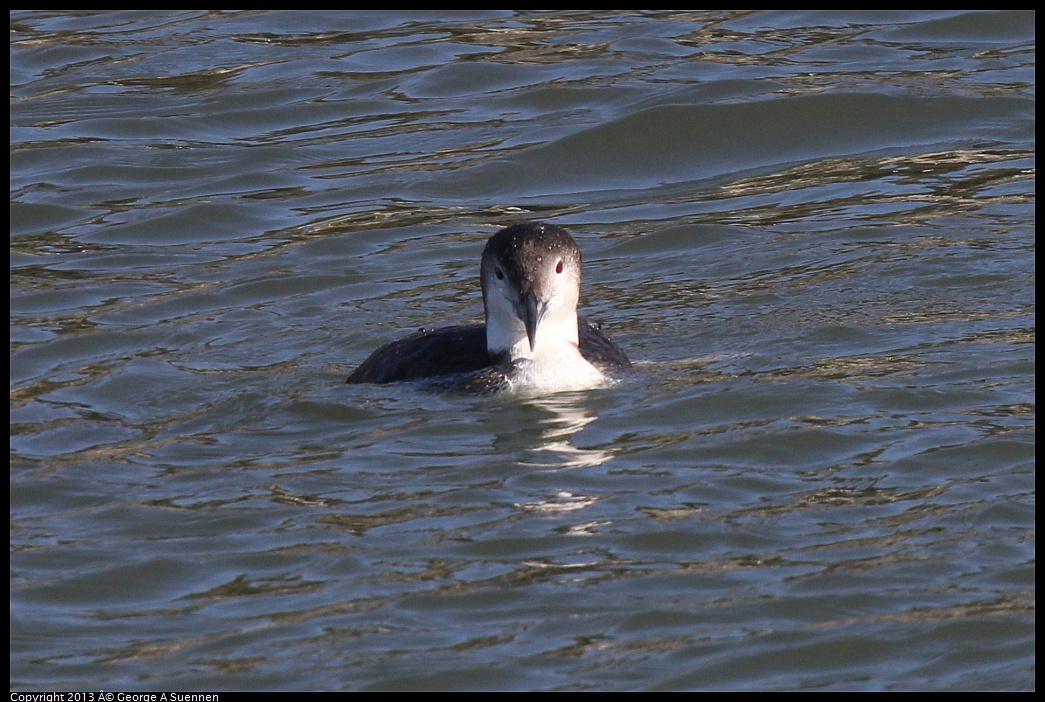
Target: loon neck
555	362
506	337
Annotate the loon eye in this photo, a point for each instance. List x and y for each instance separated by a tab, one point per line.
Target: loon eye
499	273
559	266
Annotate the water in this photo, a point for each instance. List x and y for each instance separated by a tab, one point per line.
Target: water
813	232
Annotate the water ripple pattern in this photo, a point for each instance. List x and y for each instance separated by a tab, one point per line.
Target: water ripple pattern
812	231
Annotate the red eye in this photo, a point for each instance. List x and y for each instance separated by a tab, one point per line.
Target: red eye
558	266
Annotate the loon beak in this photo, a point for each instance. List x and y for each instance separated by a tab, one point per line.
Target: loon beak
532	312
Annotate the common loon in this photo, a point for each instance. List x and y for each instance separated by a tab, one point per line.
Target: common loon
532	341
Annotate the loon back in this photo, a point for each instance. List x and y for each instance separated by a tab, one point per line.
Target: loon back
461	350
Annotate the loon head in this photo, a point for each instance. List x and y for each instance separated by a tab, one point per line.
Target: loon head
531	278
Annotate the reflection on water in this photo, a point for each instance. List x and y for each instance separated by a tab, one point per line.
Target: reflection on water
553	446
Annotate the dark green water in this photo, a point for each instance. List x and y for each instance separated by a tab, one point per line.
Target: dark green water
812	231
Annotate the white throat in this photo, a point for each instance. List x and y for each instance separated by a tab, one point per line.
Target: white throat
553	364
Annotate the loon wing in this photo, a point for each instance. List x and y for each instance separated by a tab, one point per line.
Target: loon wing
426	354
598	349
460	350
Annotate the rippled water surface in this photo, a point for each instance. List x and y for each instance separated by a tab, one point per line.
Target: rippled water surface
813	233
